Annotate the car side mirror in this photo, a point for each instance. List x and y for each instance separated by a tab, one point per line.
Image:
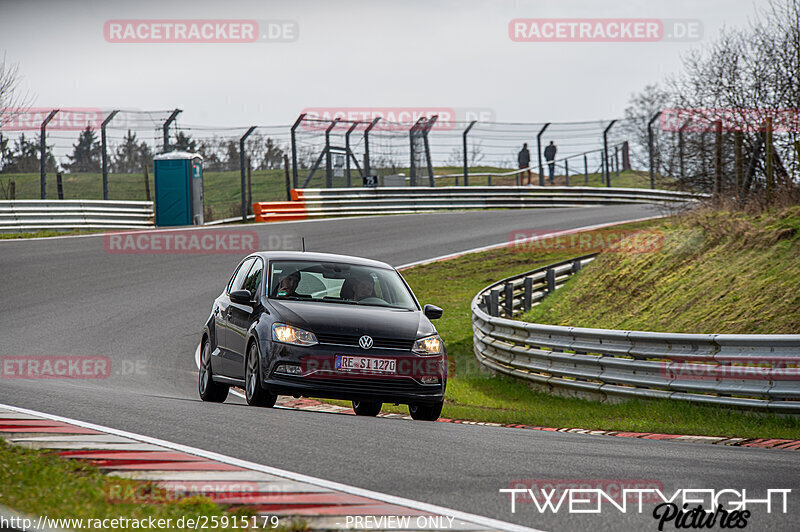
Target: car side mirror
242	297
432	312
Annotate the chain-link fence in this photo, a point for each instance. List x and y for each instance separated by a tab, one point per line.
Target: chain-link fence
108	154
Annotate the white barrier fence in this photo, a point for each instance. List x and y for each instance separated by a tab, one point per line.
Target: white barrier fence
64	215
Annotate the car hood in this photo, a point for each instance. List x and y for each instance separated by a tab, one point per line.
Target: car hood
333	318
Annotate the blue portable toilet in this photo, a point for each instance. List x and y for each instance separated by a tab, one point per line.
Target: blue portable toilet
179	188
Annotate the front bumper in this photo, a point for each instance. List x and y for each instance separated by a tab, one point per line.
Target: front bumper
319	377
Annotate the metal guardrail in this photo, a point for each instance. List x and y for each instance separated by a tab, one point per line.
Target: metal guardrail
751	371
404	200
39	215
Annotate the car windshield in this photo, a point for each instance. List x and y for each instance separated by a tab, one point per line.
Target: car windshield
339	283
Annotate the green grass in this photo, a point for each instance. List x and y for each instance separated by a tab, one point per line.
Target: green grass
40	483
477	395
44	234
717	272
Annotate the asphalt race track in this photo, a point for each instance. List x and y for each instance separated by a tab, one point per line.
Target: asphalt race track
69	296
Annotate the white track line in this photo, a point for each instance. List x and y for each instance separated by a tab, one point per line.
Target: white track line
352	490
530	239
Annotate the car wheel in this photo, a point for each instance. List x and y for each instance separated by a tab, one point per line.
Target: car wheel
210	391
367	408
255	393
425	412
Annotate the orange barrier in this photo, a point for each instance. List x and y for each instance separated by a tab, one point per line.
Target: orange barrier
280	211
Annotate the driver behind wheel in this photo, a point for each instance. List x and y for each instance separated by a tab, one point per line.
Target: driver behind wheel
358	287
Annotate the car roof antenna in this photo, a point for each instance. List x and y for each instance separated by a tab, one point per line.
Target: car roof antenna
303	240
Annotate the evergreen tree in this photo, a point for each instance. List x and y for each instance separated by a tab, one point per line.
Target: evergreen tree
24	157
86	153
184	142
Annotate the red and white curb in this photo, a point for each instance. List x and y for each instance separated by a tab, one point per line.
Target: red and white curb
231	482
312	405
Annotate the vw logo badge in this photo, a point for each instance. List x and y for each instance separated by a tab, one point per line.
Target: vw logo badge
365	342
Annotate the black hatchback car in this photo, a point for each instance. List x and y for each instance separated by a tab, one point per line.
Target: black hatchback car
323	325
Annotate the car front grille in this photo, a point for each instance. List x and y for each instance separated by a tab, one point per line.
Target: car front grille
366	385
352	341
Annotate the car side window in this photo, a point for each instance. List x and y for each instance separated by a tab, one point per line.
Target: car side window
238	279
253	279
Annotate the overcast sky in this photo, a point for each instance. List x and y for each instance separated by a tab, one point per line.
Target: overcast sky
455	54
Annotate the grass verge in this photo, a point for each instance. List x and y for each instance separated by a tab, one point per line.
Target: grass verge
40	483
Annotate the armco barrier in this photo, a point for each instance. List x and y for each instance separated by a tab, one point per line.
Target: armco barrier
316	202
40	215
751	371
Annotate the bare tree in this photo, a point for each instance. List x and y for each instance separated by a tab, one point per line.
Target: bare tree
741	79
12	101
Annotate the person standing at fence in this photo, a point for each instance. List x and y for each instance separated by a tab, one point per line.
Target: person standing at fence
524	160
550	154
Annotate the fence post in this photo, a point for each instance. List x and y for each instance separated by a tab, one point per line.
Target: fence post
509	297
12	190
425	130
616	160
367	169
466	157
167	123
288	181
550	277
412	171
43	153
328	165
650	148
294	148
494	302
527	293
245	210
585	170
249	187
576	266
539	150
347	152
566	170
768	154
681	157
146	183
59	186
738	161
626	156
104	147
605	152
717	159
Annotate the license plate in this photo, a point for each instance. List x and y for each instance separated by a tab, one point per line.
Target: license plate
366	364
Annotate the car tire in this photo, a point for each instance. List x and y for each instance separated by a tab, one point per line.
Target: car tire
426	412
210	391
255	394
367	408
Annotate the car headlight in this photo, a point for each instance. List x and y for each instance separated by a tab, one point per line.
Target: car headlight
430	345
292	335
